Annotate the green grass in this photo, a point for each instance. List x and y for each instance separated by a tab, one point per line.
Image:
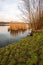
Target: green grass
28	51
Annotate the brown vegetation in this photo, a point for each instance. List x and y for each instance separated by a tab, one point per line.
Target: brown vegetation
34	17
18	26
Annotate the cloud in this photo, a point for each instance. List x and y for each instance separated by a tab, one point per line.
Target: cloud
9	10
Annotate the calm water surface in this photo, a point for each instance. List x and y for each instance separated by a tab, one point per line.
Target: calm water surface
7	37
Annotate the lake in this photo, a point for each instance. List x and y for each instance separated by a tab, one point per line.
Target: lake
8	37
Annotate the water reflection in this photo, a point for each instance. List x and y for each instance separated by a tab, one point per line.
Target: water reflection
15	33
8	37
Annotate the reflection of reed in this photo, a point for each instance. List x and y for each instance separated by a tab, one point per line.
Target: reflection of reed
15	33
23	31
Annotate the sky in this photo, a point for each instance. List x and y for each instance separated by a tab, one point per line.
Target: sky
9	11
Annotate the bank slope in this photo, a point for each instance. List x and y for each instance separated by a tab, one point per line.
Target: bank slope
28	51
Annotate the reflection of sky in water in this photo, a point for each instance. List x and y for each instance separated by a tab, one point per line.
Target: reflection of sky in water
7	37
3	29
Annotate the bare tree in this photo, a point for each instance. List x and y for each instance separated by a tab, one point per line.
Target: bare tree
34	11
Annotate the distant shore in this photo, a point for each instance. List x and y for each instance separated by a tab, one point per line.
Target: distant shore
8	23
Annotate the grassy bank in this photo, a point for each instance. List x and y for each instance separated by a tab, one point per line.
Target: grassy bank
28	51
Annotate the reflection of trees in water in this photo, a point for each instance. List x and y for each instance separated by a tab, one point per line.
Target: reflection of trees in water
15	33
